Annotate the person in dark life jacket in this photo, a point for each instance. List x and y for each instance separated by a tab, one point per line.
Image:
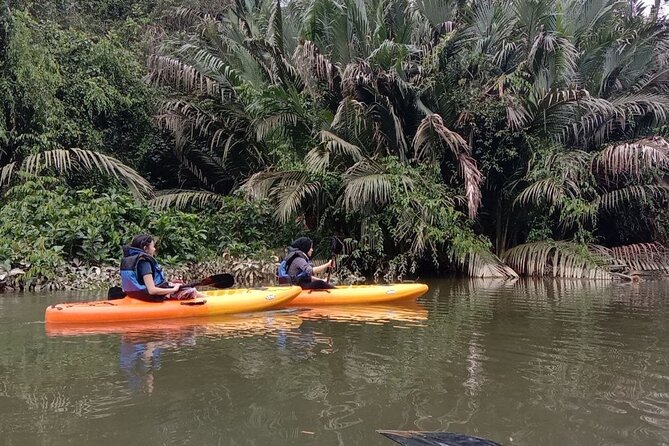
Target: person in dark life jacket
298	267
143	278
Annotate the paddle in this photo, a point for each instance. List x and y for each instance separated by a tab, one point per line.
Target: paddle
223	280
336	247
425	438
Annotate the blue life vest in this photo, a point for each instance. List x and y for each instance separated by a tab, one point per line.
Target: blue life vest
282	273
130	277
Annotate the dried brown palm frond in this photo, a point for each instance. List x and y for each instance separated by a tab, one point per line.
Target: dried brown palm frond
184	199
75	159
432	134
259	184
183	17
167	70
473	178
428	142
642	256
633	159
7	173
351	114
517	115
559	259
313	66
486	264
356	75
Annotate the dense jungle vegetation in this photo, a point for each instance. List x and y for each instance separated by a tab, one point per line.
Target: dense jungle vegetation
491	137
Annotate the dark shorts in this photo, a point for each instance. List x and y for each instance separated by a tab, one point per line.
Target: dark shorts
317	284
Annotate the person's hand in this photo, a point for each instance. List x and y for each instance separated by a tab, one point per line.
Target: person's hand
175	288
329	264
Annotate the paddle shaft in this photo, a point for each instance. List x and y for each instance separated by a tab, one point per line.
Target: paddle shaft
220	281
336	247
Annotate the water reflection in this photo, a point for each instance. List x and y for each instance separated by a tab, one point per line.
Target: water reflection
368	314
254	324
144	343
523	363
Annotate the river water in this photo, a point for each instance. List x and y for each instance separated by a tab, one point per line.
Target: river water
524	363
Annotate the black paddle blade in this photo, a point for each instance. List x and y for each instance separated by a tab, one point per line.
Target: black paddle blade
115	292
336	246
425	438
223	280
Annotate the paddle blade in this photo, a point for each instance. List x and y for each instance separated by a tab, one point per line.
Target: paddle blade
223	280
425	438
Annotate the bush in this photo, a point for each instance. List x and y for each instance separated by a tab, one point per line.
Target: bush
44	224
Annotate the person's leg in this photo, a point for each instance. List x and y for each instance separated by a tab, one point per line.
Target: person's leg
317	284
184	294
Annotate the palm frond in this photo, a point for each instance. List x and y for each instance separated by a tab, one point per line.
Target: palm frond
318	159
310	63
614	200
485	264
428	141
66	160
288	190
166	70
7	173
473	178
432	134
642	256
547	190
290	195
275	28
182	199
366	185
634	158
559	259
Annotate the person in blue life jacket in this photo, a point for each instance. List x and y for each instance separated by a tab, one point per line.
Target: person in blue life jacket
143	278
297	269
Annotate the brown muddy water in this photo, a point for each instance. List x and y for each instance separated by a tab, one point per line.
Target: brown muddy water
524	363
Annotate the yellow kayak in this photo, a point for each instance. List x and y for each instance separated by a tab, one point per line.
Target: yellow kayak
381	313
360	294
215	302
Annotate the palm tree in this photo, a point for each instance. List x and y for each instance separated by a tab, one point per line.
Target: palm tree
404	119
30	137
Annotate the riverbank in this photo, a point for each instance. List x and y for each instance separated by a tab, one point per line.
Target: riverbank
248	272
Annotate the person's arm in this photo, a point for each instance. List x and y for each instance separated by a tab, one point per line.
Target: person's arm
153	290
323	267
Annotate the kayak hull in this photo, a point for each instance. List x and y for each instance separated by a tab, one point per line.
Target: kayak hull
215	302
360	294
231	325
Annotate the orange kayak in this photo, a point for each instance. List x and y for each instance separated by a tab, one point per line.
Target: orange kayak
215	302
233	325
360	294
